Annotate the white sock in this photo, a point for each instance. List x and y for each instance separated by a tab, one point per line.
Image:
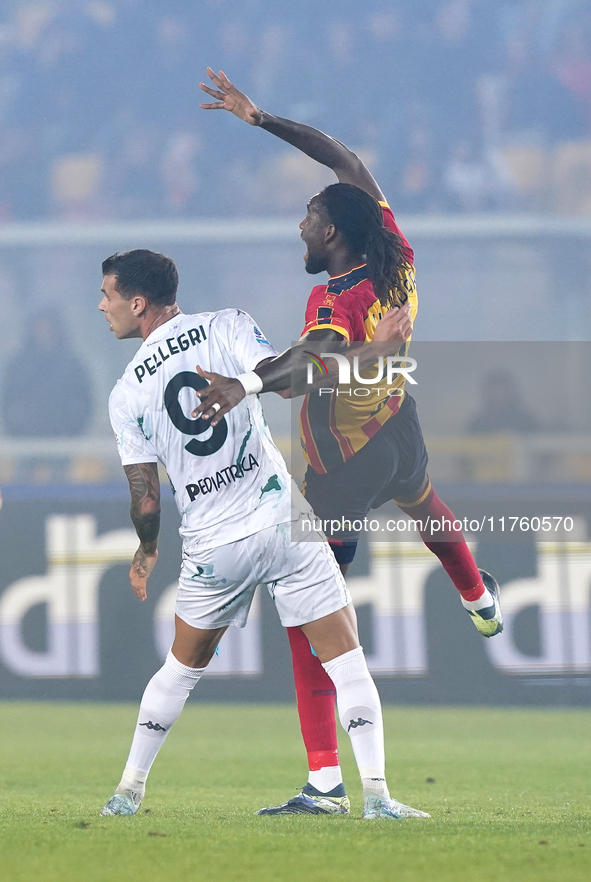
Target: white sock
486	599
161	706
360	713
326	778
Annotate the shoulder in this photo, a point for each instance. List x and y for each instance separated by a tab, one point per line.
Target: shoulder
234	314
317	294
388	215
244	329
120	391
390	224
227	318
118	399
191	319
234	325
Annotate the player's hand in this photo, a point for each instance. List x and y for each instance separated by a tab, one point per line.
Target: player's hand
228	97
395	326
141	567
217	399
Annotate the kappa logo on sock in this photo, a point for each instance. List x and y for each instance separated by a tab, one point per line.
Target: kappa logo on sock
354	724
155	726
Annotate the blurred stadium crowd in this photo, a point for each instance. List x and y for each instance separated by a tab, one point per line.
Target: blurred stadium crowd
458	105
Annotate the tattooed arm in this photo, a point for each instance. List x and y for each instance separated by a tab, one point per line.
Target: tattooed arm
144	486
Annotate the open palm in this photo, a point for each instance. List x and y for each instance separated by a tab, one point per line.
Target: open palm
228	97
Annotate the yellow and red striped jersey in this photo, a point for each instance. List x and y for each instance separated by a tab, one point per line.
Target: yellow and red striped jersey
333	428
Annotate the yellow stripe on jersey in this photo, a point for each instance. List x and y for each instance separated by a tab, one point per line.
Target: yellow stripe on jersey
337	328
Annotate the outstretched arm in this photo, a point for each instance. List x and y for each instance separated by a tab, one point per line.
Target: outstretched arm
347	166
276	374
144	486
289	370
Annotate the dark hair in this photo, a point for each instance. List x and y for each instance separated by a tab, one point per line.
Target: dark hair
144	272
359	219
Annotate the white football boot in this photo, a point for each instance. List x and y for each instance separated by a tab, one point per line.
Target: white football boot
385	807
126	802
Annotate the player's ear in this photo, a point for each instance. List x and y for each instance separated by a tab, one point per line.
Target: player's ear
139	304
329	233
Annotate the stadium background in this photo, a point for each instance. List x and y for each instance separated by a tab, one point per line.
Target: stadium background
476	119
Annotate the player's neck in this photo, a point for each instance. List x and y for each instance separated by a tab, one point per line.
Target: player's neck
340	264
158	317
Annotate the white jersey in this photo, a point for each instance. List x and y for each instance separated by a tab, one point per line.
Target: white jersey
230	481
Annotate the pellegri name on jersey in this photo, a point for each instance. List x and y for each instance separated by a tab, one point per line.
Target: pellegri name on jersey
229	481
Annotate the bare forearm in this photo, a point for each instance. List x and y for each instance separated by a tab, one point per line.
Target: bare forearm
147	527
276	373
348	168
314	143
293	369
289	370
144	487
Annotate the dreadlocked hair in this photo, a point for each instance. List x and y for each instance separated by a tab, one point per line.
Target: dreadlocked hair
359	219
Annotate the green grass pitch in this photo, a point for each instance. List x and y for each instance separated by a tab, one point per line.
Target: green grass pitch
508	791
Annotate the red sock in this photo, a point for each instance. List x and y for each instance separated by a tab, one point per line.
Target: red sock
316	698
455	556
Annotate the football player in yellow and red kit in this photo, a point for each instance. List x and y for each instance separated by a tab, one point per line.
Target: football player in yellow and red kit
360	453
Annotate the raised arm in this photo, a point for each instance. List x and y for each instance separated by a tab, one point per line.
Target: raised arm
144	487
346	165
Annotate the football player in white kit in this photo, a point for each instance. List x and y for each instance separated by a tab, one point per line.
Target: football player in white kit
238	515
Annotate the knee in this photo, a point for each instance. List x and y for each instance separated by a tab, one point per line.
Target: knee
195	656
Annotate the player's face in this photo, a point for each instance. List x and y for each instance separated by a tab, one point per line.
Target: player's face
121	314
314	229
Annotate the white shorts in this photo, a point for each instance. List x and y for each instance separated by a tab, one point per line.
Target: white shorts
216	586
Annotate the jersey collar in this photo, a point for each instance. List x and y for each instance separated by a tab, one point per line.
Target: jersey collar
336	284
